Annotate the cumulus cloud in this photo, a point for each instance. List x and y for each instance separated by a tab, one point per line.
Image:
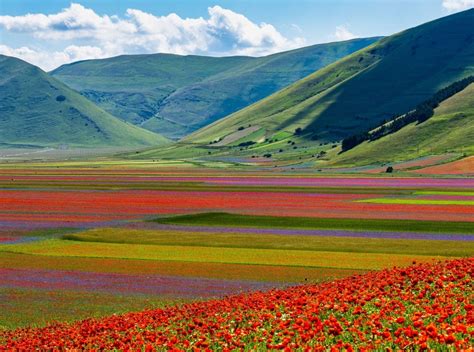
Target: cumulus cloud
224	32
343	33
49	60
458	5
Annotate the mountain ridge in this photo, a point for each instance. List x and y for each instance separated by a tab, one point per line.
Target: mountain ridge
200	90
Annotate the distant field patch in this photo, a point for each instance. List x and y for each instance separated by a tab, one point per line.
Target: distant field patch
418	201
443	246
445	193
238	220
414	163
459	167
231	138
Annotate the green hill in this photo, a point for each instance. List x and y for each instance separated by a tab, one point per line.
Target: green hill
450	130
176	95
38	110
389	77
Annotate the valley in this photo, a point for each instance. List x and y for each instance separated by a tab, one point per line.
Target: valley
311	197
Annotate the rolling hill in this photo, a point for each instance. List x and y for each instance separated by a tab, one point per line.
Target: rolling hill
358	92
176	95
450	130
36	110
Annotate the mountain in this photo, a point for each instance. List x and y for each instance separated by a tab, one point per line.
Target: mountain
358	92
450	130
38	110
175	95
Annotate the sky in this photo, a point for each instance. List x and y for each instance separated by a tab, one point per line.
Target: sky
49	33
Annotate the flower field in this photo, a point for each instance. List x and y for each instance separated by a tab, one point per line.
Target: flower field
424	306
96	242
460	167
77	208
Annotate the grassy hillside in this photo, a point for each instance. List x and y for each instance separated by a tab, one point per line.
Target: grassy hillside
175	95
451	129
357	92
38	110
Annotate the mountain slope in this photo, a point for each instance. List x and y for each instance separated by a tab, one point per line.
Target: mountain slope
389	77
38	110
450	130
176	95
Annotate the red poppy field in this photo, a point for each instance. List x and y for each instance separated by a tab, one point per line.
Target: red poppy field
224	255
424	306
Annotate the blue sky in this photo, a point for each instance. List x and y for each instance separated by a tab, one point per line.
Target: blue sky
60	31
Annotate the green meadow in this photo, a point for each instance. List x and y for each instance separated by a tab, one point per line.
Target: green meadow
272	242
227	219
418	201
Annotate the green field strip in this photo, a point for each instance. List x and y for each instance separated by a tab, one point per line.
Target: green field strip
237	220
268	241
417	201
298	258
444	193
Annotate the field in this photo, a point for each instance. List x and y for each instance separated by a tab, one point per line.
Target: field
78	241
408	308
463	166
190	180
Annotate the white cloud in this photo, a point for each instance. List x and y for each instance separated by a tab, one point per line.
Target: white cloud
458	5
343	33
49	60
224	32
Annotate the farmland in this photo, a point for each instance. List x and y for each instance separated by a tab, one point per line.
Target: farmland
362	312
179	180
78	242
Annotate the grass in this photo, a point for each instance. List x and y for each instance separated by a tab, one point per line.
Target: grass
279	242
417	201
29	97
31	307
451	129
445	193
227	219
252	256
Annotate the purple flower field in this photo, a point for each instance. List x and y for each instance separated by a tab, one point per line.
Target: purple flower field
166	286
